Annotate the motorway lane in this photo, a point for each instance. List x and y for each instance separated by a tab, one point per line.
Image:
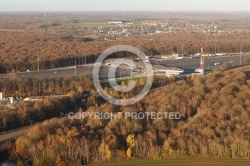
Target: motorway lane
60	72
67	72
192	64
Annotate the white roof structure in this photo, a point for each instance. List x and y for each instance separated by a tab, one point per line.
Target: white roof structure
119	61
168	71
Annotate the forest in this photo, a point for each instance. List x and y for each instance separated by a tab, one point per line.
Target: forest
57	95
22	86
214	108
74	94
214	124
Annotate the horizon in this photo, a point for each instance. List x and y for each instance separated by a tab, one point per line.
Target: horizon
125	5
164	11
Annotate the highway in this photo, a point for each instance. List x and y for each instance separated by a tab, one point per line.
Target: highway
187	64
192	64
60	72
66	72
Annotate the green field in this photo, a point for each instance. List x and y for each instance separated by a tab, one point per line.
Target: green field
90	24
184	162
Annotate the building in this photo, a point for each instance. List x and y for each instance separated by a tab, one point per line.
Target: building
115	22
1	95
168	71
11	100
115	62
178	56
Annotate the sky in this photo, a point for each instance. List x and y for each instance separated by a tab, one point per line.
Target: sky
124	5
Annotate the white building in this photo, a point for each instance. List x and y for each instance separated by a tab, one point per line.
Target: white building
178	56
168	71
1	95
115	62
11	100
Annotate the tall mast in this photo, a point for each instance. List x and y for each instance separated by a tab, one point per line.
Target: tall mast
215	49
38	63
182	48
241	55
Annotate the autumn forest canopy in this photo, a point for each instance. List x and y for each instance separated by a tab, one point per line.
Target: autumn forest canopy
215	124
214	108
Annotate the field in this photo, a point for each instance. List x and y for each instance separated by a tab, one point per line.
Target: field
213	162
90	24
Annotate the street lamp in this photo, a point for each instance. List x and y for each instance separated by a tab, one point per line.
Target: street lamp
38	62
85	59
75	69
131	65
61	114
31	122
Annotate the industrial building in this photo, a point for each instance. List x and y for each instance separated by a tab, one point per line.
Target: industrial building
8	100
168	71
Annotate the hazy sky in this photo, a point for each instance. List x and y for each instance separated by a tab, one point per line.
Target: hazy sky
104	5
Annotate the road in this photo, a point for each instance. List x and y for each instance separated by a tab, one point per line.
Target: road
5	136
60	72
13	134
192	64
187	64
66	72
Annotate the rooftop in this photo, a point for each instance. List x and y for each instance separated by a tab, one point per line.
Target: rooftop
161	67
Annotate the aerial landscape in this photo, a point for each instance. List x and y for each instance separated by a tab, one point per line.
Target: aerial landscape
124	83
